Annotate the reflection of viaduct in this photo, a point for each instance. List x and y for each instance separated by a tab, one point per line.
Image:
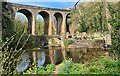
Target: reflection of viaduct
51	17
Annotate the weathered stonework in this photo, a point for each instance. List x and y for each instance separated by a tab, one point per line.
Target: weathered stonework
48	15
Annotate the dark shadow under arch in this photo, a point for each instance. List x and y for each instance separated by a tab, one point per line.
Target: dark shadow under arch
68	22
59	20
45	16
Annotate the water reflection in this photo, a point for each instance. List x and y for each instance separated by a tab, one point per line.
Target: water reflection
58	58
41	58
30	57
78	55
24	63
56	55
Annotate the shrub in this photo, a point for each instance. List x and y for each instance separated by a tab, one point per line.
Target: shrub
11	55
41	70
101	65
104	65
69	41
50	68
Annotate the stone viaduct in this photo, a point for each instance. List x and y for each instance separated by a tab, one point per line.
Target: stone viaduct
54	19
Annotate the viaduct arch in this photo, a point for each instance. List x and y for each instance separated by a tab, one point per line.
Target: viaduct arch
28	14
45	16
53	18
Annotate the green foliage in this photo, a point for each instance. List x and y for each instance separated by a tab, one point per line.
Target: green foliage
94	17
11	51
40	26
30	43
105	65
101	65
11	55
70	67
115	22
21	26
69	41
66	67
41	70
89	17
7	23
50	68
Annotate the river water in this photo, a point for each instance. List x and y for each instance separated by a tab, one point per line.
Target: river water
56	55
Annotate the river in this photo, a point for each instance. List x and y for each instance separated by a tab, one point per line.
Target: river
56	55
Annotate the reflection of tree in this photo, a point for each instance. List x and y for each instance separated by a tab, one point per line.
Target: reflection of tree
54	22
41	55
23	64
51	52
41	58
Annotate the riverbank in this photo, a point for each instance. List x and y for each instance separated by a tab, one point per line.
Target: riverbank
100	65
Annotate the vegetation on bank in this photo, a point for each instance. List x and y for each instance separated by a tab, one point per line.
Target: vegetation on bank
100	65
115	21
48	69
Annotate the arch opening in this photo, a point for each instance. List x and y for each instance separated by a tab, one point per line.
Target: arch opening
39	25
21	23
26	20
45	19
68	22
58	19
